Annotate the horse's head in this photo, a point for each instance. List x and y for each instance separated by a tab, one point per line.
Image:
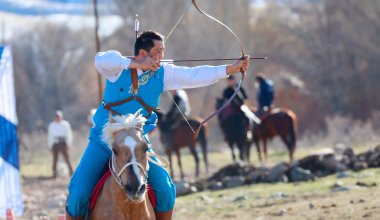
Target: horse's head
162	121
160	117
128	164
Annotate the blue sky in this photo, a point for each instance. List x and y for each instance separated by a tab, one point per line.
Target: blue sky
48	7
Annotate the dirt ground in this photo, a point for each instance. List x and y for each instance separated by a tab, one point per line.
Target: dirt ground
45	196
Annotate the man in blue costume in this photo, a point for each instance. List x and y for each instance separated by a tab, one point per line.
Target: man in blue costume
123	96
265	93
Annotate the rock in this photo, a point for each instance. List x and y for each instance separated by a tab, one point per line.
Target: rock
184	188
323	163
207	199
234	181
216	186
277	173
360	166
280	213
363	184
279	195
236	169
374	157
257	176
311	205
284	179
331	164
337	184
240	198
341	175
341	189
299	174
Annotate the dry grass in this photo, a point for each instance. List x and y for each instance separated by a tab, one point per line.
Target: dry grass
261	201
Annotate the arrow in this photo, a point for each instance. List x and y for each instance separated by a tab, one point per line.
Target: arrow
211	59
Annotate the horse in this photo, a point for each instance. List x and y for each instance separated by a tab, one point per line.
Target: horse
125	195
276	122
235	127
180	137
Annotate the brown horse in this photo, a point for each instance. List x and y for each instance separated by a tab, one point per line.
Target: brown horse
277	122
235	127
180	137
124	195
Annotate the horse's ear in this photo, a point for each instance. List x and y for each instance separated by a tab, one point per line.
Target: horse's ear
140	126
110	118
138	115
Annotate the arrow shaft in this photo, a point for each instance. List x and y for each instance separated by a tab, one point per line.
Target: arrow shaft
211	59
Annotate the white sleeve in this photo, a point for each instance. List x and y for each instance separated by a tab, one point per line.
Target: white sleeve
69	134
50	136
110	64
180	77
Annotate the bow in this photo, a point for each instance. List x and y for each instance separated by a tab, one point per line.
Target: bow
194	3
243	73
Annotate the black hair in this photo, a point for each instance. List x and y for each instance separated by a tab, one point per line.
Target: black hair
145	40
230	77
260	78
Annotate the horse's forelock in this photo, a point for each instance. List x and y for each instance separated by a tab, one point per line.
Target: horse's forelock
122	122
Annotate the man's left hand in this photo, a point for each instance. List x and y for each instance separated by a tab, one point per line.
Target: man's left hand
241	64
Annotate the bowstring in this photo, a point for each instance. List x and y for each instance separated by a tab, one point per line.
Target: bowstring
179	20
172	99
242	71
163	84
137	26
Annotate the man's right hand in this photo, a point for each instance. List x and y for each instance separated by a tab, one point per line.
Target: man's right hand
146	63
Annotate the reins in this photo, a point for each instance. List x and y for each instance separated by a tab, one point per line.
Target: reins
135	96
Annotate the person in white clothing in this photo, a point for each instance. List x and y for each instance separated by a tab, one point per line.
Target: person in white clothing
60	138
180	106
181	99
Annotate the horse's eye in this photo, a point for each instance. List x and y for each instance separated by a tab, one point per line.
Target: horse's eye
114	151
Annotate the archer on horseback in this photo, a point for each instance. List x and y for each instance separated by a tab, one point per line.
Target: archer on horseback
234	122
178	113
265	94
237	102
181	105
133	84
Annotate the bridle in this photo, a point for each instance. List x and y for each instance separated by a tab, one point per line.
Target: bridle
117	175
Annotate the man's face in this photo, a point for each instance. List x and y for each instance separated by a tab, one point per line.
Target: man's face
231	82
158	50
57	118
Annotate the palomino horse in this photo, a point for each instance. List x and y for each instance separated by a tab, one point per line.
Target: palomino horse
235	127
277	122
124	196
182	136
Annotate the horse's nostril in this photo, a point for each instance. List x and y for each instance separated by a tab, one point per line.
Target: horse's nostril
142	188
127	188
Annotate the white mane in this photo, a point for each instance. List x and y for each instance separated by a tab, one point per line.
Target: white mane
122	122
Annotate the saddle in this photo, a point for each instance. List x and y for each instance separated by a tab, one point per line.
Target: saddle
98	188
229	111
265	113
